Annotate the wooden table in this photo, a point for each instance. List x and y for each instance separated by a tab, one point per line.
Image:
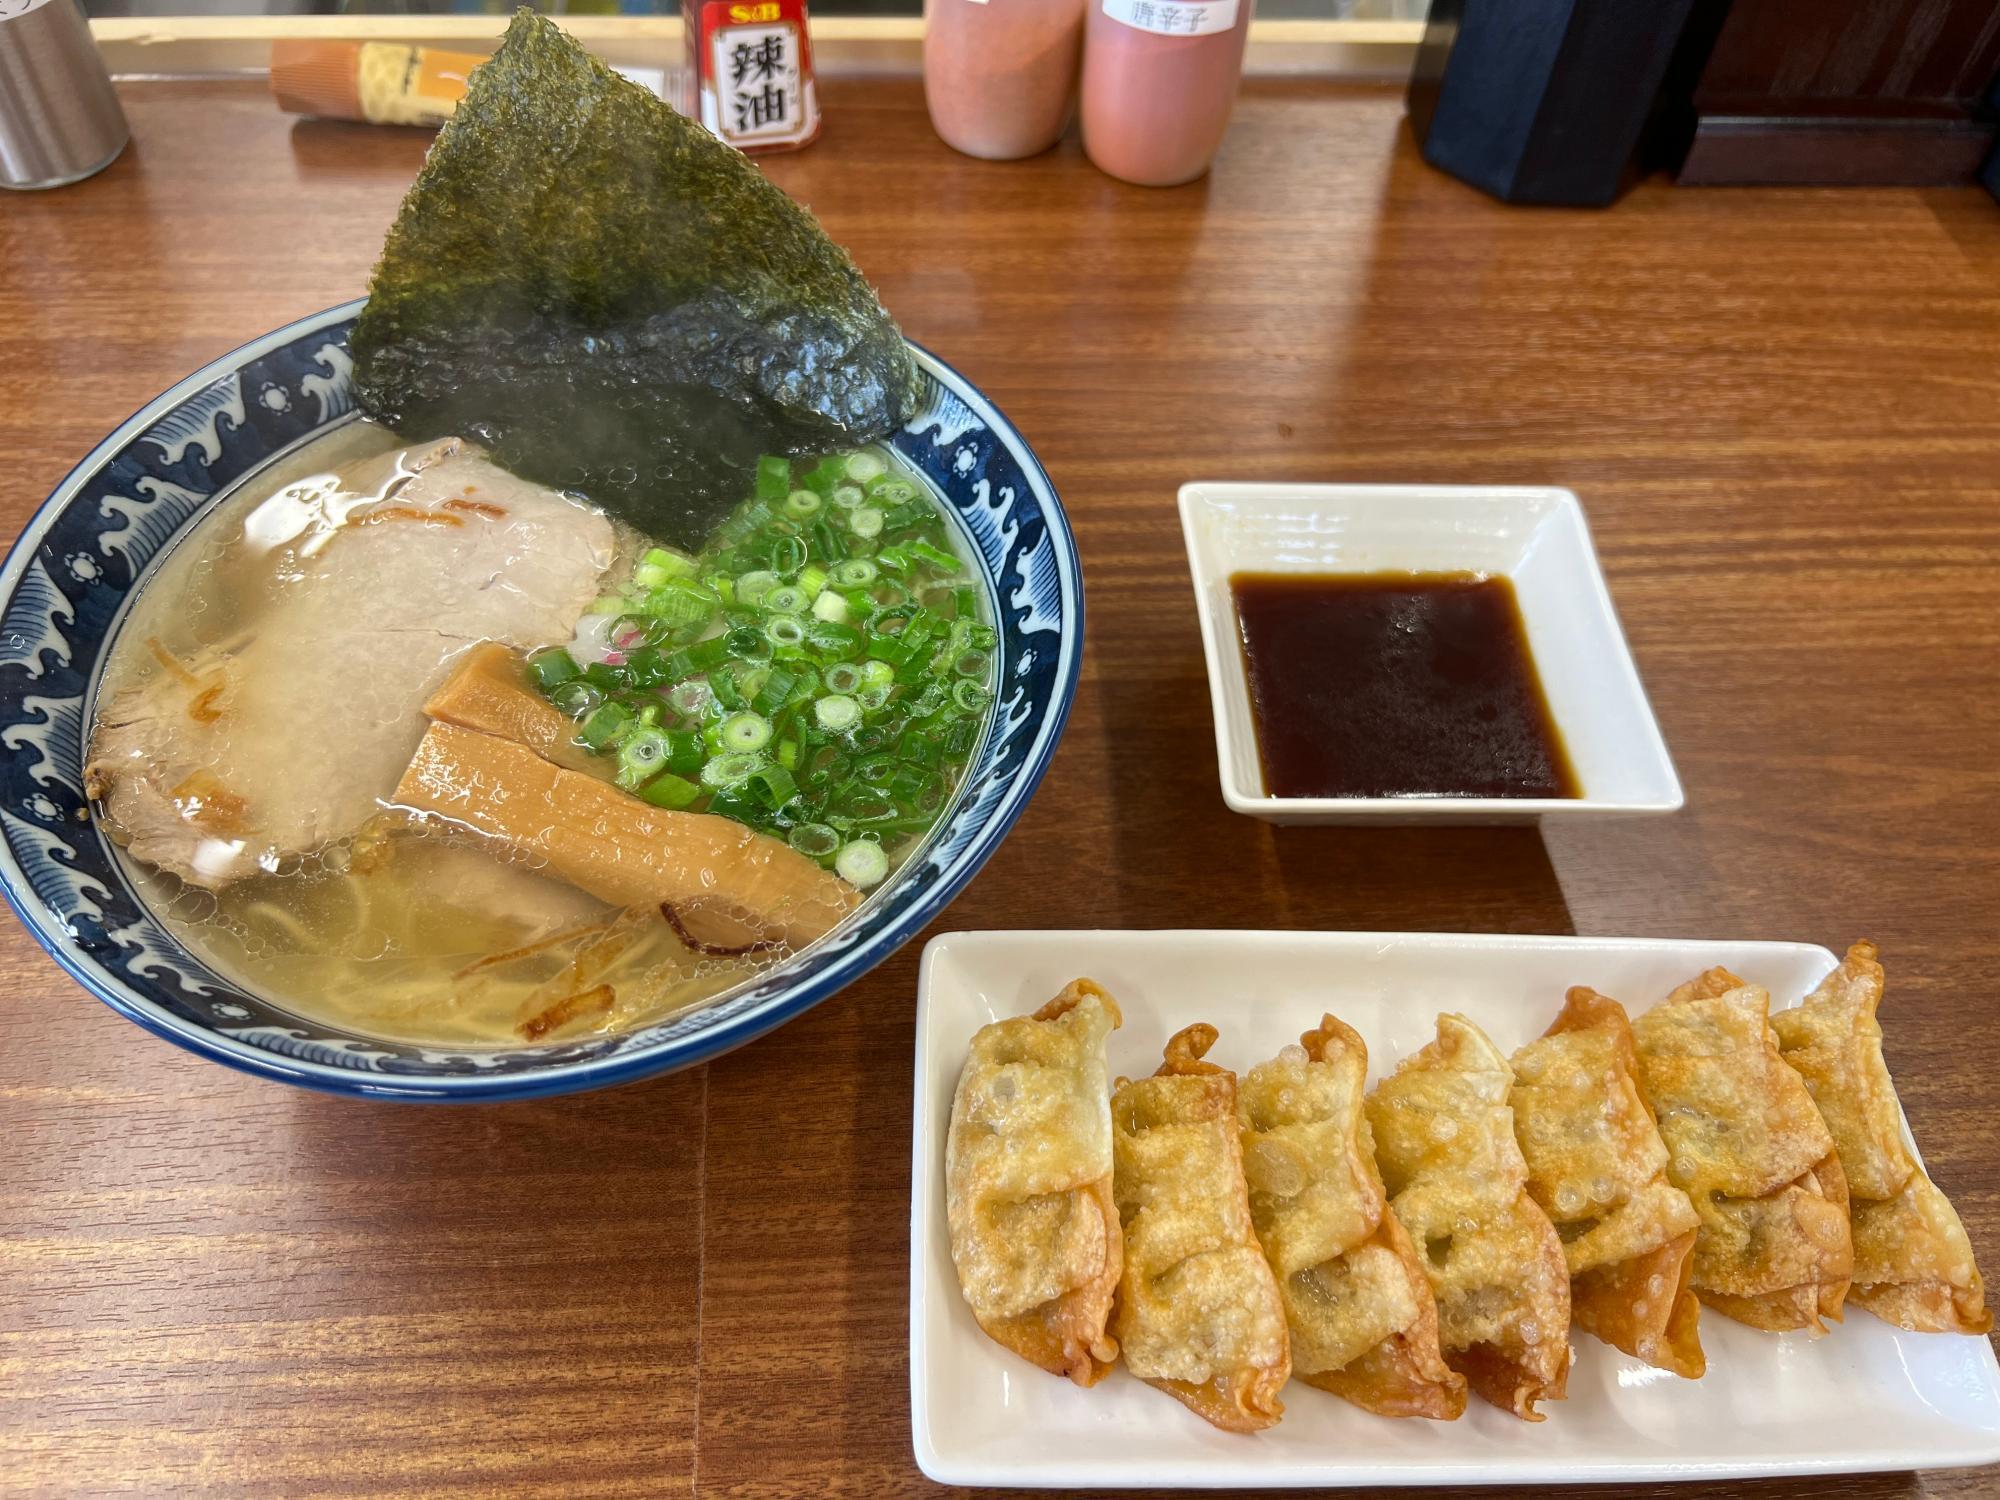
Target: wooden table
1782	410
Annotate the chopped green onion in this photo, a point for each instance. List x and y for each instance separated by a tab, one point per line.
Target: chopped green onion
659	565
864	466
824	542
886	648
605	677
690	699
774	477
866	520
889	490
937	557
748	644
847	496
801	503
776	691
648	667
894	558
552	668
788	555
814	840
669	791
812	578
825	766
869	738
831	638
648	630
856	572
830	607
919	747
784	630
734	803
642	754
772	785
971	664
877	674
607	604
874	696
605	725
786	599
703	656
728	770
861	863
576	698
837	711
722	685
685	751
746	731
970	696
843	677
826	474
681	604
752	587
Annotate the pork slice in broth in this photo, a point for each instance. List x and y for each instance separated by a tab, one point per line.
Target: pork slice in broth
226	762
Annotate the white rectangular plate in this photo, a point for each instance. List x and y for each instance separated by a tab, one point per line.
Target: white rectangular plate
1868	1396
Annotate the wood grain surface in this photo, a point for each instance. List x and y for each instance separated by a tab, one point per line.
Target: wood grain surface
1781	409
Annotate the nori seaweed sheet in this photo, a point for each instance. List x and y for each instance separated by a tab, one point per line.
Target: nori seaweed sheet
615	302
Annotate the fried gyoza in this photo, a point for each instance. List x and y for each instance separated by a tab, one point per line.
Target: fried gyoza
1444	1140
1198	1311
1747	1146
1597	1167
1912	1262
1034	1227
1362	1316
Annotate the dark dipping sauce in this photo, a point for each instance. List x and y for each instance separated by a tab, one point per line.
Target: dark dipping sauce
1396	685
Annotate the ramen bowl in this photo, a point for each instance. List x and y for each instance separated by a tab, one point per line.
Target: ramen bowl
68	584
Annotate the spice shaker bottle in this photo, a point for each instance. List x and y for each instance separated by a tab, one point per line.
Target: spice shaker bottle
1159	81
1000	75
60	120
750	72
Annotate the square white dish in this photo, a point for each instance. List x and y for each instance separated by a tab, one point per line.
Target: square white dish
1536	537
1866	1397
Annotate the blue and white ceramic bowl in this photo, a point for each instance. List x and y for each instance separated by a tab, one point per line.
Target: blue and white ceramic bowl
64	591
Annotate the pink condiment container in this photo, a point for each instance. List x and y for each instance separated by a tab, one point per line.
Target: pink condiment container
1000	75
1159	80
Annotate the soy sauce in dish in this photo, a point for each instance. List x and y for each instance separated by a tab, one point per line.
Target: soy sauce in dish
1396	685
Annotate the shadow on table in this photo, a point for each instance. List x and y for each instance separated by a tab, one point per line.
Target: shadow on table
1179	857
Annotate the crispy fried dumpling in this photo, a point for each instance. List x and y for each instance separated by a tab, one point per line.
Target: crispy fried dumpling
1598	1168
1913	1264
1028	1164
1362	1317
1747	1146
1444	1140
1198	1311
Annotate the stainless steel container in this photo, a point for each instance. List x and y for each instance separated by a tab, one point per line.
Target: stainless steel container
59	117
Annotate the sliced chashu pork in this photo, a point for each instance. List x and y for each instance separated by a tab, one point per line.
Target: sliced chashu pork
222	764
